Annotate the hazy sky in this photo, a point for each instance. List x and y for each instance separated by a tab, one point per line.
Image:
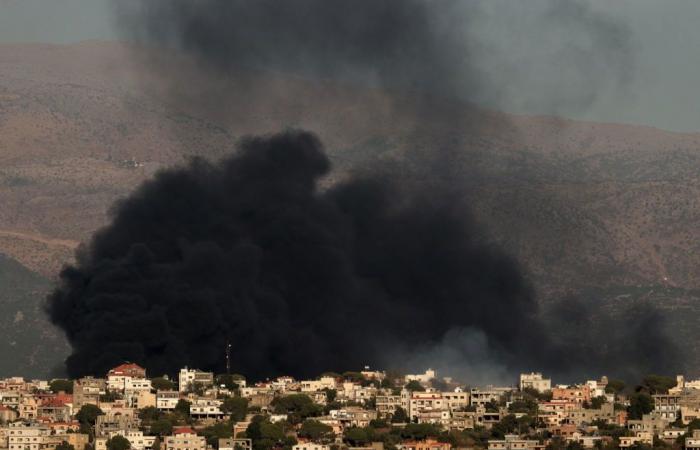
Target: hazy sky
663	91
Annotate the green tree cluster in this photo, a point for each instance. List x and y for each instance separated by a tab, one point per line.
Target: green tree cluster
297	407
59	385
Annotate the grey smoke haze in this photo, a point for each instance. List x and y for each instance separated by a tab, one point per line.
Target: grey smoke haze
662	92
397	263
560	57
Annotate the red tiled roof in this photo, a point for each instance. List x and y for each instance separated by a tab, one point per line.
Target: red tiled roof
183	430
125	368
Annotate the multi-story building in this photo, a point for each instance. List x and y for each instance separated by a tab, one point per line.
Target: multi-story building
387	404
536	381
513	442
118	377
667	406
190	377
426	402
480	397
456	400
26	435
641	437
206	408
693	442
423	378
87	391
235	444
167	400
577	394
353	416
185	439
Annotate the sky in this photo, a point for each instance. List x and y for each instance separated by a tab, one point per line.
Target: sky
662	91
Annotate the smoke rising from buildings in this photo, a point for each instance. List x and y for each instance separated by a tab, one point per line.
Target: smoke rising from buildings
249	250
374	270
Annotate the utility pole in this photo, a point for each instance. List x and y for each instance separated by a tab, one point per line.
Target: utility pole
228	357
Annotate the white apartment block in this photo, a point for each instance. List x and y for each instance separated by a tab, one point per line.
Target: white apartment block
189	377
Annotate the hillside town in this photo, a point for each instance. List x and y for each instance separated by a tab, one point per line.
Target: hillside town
367	410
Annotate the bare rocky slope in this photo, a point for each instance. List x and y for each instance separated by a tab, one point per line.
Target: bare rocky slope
605	212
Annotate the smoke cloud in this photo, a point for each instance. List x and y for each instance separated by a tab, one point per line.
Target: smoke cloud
372	270
299	280
548	56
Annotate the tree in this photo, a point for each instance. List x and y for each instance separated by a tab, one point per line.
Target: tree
58	385
65	446
219	430
316	431
414	385
356	437
88	414
118	443
399	416
109	397
150	413
183	407
161	427
229	381
387	383
331	394
657	384
162	384
419	431
597	402
355	377
236	407
640	403
615	386
297	407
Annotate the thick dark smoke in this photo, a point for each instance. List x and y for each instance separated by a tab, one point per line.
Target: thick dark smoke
299	280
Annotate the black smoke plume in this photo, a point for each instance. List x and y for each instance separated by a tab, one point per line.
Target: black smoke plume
300	280
372	270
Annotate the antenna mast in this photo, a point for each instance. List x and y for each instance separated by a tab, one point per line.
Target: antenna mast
228	357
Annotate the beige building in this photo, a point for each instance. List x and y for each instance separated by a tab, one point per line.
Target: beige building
185	439
513	442
667	406
387	404
87	391
641	437
456	400
693	442
24	435
235	444
536	381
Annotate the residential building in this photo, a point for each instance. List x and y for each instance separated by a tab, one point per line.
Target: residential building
185	438
693	442
536	381
87	391
428	444
513	442
667	406
641	437
190	377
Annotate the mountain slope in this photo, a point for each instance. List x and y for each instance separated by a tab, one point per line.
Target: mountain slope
605	212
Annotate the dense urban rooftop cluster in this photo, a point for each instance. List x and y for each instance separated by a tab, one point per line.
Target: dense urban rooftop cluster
369	410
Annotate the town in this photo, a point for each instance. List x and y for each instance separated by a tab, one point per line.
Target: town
368	410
